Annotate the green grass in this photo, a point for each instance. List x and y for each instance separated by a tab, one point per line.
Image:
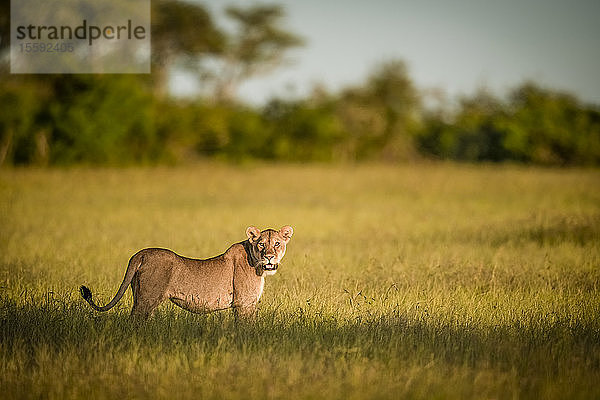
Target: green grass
428	281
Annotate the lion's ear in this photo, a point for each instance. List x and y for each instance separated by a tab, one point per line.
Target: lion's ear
286	233
253	233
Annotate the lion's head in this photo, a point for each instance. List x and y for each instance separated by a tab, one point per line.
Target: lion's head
268	247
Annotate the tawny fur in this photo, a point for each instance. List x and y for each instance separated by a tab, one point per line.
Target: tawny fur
234	279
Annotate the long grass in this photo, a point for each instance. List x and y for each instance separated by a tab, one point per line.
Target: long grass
428	281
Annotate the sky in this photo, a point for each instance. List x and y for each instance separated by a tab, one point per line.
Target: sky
452	46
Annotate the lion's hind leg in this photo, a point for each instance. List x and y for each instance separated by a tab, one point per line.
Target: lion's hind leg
143	312
145	299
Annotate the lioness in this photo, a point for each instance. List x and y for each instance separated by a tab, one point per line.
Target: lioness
234	279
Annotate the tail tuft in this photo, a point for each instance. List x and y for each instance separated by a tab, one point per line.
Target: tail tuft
85	293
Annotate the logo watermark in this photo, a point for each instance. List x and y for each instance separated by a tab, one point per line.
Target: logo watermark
80	36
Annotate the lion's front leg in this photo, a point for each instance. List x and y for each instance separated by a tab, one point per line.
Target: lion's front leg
245	312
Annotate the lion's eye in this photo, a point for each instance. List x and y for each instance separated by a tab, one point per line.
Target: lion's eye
261	246
276	244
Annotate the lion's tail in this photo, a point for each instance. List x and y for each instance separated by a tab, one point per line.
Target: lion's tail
134	263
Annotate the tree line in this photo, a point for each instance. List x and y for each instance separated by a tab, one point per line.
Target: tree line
132	119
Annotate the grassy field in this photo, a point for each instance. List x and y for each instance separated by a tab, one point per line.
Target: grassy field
429	281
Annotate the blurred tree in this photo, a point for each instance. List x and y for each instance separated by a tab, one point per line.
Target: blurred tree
102	119
477	135
474	132
305	130
23	121
550	127
382	116
533	125
181	33
125	119
257	47
4	34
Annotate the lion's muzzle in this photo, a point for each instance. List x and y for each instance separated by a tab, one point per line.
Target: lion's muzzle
270	267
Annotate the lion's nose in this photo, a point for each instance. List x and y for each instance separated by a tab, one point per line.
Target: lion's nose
269	257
